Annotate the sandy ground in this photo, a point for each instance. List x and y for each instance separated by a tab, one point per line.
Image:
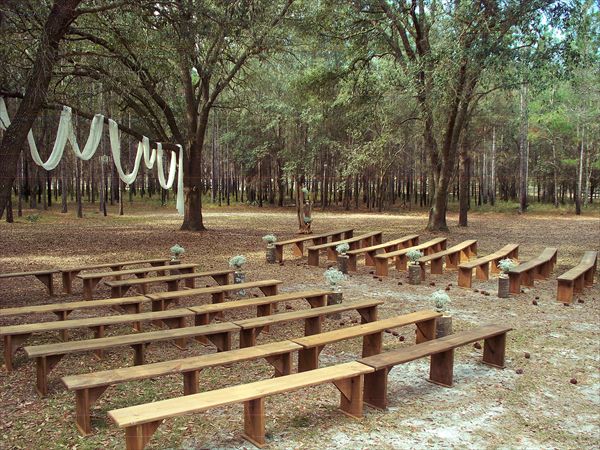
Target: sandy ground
486	408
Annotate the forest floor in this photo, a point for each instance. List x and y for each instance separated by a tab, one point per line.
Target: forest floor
486	408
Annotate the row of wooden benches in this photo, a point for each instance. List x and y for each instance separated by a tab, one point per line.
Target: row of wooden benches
359	382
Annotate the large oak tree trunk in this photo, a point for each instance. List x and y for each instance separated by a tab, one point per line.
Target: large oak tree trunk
61	15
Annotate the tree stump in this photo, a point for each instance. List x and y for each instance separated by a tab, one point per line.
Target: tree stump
414	274
342	263
443	326
503	287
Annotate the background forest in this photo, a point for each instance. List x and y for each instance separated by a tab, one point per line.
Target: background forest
369	104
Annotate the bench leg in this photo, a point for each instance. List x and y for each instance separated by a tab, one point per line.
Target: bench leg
254	421
191	381
297	250
589	276
89	285
331	254
139	354
514	283
222	279
115	292
45	364
351	399
247	338
372	344
47	279
436	265
279	253
98	333
401	262
425	330
67	281
269	290
369	259
173	285
222	341
368	314
281	363
579	283
452	261
494	349
84	400
352	263
308	358
202	319
313	258
465	277
483	272
63	315
313	325
375	388
132	308
11	344
565	291
137	436
316	302
441	368
265	310
381	267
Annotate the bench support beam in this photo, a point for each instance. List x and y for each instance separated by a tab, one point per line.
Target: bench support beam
254	421
191	381
44	365
375	389
493	351
441	368
11	344
84	400
137	436
351	400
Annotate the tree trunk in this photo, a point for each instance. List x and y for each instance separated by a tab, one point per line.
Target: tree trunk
61	15
523	166
579	176
463	185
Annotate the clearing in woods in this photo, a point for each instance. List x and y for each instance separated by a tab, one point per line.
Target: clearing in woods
533	403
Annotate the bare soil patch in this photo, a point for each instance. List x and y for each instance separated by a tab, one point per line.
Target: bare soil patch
486	408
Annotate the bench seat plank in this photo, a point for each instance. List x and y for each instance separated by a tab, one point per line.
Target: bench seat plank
537	268
454	256
389	246
401	260
120	287
298	242
577	278
363	240
45	276
483	263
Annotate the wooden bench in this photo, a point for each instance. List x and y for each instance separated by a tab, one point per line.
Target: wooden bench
15	335
313	319
538	268
442	359
370	252
90	280
141	421
454	256
119	288
298	243
575	279
45	276
382	261
482	265
364	240
90	387
68	274
372	333
48	356
161	300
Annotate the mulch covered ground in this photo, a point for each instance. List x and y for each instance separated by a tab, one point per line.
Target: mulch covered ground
533	403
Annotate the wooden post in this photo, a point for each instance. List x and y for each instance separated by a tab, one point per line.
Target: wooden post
494	349
254	421
441	368
375	388
351	399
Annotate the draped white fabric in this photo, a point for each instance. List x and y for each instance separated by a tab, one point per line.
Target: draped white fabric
66	133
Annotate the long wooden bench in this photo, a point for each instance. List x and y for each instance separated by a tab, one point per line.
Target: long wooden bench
454	256
141	421
119	288
161	300
313	319
372	333
538	268
47	356
575	279
91	280
69	273
90	387
482	265
15	335
370	252
400	259
298	243
364	240
442	359
45	276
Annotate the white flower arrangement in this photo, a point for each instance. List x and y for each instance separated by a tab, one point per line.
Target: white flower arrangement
440	300
334	277
506	265
237	262
177	250
414	255
269	239
342	248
